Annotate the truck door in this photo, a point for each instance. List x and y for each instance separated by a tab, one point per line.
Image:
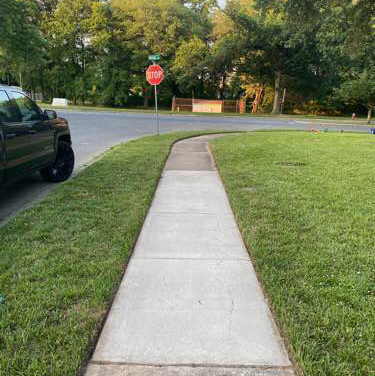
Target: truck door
4	115
2	153
41	133
15	138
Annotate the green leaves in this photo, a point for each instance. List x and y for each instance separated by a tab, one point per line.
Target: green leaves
359	88
20	40
97	51
190	62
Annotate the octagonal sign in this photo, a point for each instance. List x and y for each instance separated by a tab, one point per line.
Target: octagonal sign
154	74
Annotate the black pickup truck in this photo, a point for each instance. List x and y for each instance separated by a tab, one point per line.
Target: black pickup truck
32	140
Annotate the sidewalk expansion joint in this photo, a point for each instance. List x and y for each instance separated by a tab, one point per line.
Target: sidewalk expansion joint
222	215
185	171
192	259
260	367
187	212
188	152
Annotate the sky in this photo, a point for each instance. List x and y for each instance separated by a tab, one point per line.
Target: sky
222	3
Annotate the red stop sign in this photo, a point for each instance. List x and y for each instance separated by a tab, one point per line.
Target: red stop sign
154	74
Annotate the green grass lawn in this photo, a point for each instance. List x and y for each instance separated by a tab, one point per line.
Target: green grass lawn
305	204
61	261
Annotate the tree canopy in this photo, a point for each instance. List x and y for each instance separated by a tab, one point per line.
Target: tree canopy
321	52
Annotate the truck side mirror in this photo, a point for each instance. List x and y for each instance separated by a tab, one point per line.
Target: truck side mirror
50	114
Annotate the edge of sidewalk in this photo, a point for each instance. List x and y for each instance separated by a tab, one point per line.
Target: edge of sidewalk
290	351
91	348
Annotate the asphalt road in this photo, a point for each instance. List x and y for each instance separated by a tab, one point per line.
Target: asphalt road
95	132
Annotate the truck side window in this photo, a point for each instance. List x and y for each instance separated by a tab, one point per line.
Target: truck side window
29	110
8	113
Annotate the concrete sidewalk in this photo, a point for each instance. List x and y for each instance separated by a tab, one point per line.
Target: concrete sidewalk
190	302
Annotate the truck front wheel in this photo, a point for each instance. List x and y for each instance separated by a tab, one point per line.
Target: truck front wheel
62	167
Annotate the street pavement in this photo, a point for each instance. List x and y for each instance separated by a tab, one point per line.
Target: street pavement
190	302
95	132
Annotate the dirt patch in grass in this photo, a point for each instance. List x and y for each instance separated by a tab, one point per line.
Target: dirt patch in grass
291	164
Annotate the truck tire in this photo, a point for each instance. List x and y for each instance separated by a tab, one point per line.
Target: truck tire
62	167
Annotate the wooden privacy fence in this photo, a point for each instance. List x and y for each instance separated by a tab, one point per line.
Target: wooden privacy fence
209	105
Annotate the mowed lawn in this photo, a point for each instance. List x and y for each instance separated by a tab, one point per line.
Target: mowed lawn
62	261
305	204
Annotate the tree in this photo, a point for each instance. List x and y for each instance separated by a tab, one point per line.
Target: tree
70	49
19	46
190	67
344	35
360	88
162	26
109	69
270	53
205	68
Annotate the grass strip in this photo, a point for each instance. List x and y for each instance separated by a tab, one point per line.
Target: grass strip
305	205
62	260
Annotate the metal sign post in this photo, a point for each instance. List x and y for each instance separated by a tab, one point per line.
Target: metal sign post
156	110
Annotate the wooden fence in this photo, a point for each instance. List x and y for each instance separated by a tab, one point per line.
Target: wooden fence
208	105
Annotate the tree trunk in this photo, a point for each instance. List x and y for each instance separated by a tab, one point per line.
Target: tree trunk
33	89
42	88
222	86
145	97
259	96
276	101
369	115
